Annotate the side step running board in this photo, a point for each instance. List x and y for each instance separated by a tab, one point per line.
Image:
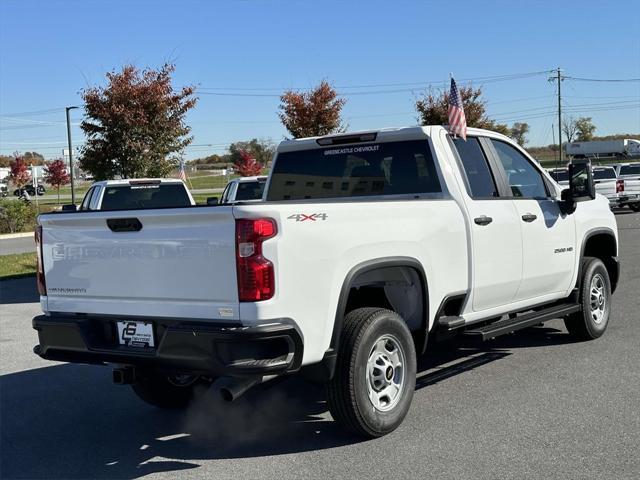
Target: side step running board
519	322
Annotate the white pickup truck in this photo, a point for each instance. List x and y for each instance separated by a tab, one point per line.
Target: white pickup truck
629	185
136	193
367	245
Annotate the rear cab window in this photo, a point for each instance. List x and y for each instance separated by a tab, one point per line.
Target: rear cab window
604	174
145	195
250	190
343	171
560	175
630	169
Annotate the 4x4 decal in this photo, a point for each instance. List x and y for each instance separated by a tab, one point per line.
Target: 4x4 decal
303	217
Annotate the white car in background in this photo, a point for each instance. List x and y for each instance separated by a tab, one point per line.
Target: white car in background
629	184
137	193
243	189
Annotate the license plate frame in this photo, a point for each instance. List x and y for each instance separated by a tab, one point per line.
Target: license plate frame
133	333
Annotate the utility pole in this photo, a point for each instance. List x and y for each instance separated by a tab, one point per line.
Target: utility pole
73	193
559	78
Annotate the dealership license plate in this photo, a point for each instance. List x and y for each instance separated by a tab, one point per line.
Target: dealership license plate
135	334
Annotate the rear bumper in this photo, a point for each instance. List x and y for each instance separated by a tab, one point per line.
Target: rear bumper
181	345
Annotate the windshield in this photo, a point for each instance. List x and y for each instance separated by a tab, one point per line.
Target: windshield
630	169
560	175
350	171
604	174
160	195
250	190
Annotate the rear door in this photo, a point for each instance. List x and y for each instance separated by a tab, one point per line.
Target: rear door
161	262
495	229
548	235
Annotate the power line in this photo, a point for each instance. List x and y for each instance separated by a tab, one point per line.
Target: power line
490	79
615	80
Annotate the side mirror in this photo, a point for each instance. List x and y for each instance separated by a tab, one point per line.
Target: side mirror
581	183
70	207
212	200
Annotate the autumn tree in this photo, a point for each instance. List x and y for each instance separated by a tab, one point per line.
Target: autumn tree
55	174
569	128
519	132
262	150
19	174
433	109
313	113
246	165
585	129
135	125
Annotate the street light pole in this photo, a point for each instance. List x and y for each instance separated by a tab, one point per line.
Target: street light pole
73	194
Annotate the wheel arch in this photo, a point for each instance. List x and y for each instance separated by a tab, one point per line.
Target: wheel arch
601	243
381	264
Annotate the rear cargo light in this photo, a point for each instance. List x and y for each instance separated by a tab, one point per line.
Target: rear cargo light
619	186
42	286
255	273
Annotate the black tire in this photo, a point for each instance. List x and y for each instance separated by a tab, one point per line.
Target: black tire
162	391
587	324
348	391
635	207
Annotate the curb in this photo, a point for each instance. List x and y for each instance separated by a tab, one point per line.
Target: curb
8	236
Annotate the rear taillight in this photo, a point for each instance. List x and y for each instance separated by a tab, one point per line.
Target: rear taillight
619	186
42	286
255	273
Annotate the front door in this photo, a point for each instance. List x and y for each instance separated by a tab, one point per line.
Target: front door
548	236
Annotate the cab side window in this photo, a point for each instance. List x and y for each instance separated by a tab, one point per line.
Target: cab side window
87	199
480	181
524	179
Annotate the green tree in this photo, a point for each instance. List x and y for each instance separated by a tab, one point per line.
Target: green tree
135	126
585	129
519	132
433	109
313	113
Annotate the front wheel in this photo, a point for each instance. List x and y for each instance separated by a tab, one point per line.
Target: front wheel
371	391
595	299
635	207
169	391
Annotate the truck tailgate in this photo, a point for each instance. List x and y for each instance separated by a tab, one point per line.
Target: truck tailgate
180	263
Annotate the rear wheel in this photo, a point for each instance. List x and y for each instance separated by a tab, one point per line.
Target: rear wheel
169	391
371	391
635	207
595	299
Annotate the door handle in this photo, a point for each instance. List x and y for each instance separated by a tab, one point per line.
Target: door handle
124	224
483	220
529	217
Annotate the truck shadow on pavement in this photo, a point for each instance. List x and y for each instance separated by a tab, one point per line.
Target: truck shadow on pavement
19	290
69	421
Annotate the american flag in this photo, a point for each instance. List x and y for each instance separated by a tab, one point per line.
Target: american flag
182	174
457	120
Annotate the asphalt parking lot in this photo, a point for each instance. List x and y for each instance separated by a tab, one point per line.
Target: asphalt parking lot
533	404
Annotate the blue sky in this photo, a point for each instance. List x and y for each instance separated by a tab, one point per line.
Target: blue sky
51	49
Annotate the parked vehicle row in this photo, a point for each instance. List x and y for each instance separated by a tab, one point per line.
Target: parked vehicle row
365	247
620	183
